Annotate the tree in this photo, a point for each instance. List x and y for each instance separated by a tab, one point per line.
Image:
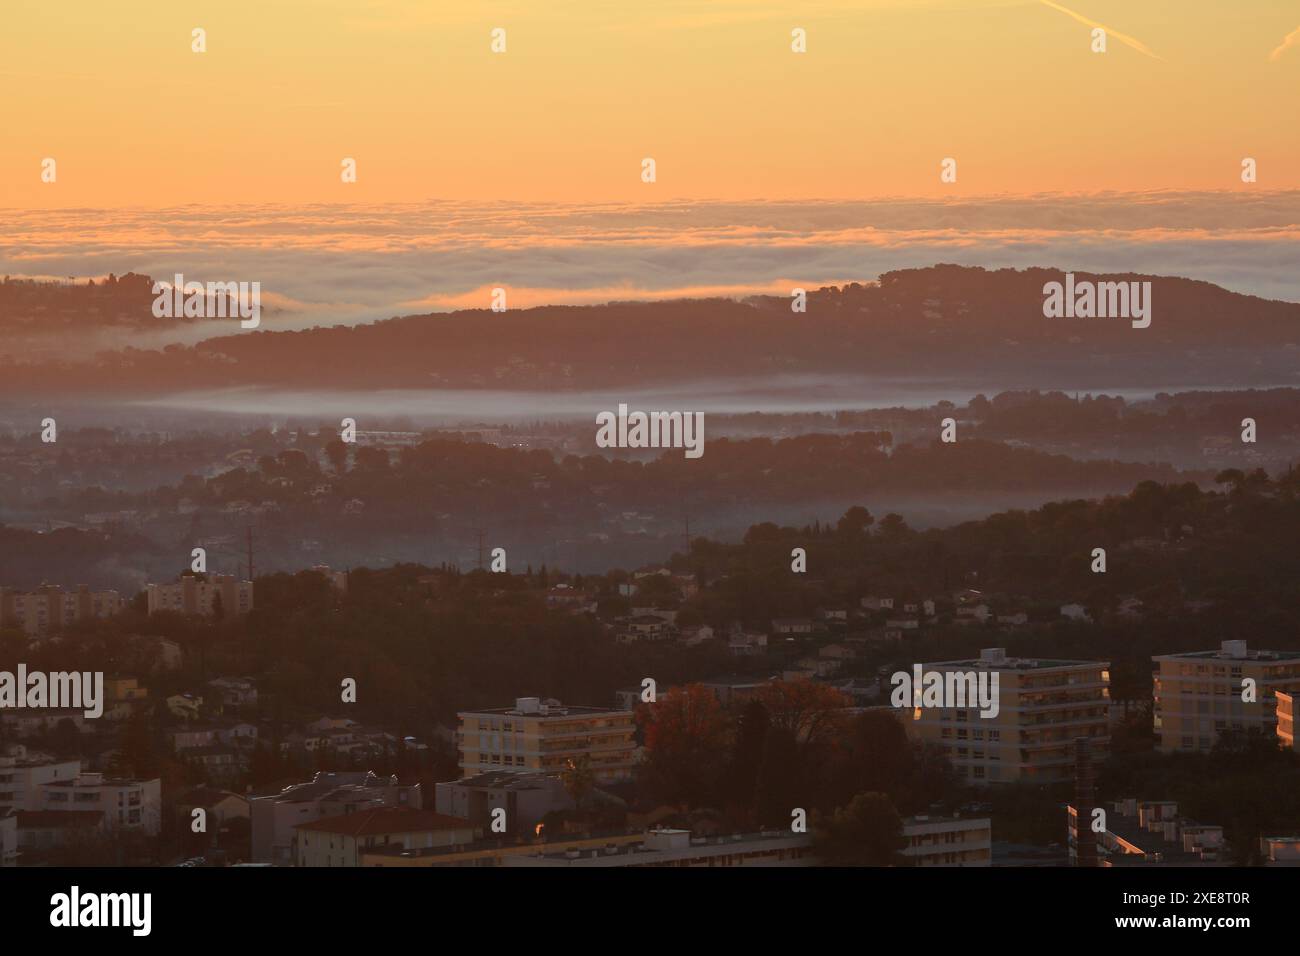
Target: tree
337	453
811	713
579	779
855	521
686	742
866	832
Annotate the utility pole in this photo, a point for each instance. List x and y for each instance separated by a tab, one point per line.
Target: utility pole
480	532
250	552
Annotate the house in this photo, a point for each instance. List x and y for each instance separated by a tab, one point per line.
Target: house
746	644
735	689
792	625
666	615
234	691
872	603
1131	609
41	830
238	734
818	666
122	697
694	634
903	623
1014	618
647	625
185	706
219	763
972	613
1075	612
838	652
834	614
220	806
191	737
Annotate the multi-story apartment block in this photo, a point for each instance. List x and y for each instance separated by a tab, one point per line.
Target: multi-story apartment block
1199	694
49	608
546	735
23	772
125	804
948	841
1043	707
1286	719
191	595
341	840
274	816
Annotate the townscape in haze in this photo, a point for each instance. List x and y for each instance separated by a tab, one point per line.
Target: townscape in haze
664	435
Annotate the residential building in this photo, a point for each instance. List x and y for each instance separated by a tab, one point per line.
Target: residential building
654	847
341	840
1280	850
1286	738
736	689
1075	612
1146	832
220	806
123	696
42	830
234	691
49	608
678	848
948	841
546	735
746	644
1198	694
126	804
23	772
525	798
194	595
185	706
1043	707
274	816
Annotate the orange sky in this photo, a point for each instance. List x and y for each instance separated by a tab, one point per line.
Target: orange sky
586	89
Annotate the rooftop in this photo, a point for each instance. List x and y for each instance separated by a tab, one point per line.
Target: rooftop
385	820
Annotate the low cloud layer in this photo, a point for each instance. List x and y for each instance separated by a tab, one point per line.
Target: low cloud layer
325	265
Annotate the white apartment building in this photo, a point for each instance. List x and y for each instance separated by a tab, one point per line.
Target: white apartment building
23	772
126	804
1199	694
1043	707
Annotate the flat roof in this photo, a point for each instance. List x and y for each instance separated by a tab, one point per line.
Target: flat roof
1219	655
1016	664
564	710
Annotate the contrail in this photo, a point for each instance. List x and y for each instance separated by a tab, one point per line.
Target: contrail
1292	39
1122	37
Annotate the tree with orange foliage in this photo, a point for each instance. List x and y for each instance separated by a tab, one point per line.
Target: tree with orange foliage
810	713
686	739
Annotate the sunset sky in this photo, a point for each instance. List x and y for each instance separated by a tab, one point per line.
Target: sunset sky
586	89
